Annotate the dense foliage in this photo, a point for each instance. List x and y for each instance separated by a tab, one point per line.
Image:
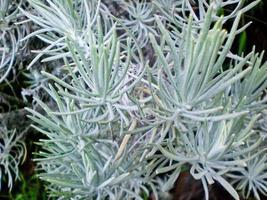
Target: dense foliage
127	95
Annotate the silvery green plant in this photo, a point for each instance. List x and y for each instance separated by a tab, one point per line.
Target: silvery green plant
118	123
139	20
93	110
194	87
248	93
58	20
10	35
178	10
251	179
12	147
12	153
209	153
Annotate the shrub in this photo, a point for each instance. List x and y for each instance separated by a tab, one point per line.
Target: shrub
144	94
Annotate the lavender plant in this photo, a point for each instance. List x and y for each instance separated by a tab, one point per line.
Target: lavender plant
59	20
12	147
91	111
10	35
125	120
139	21
12	153
251	179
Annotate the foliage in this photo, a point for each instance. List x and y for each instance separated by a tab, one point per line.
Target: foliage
29	189
12	152
134	97
251	178
10	35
